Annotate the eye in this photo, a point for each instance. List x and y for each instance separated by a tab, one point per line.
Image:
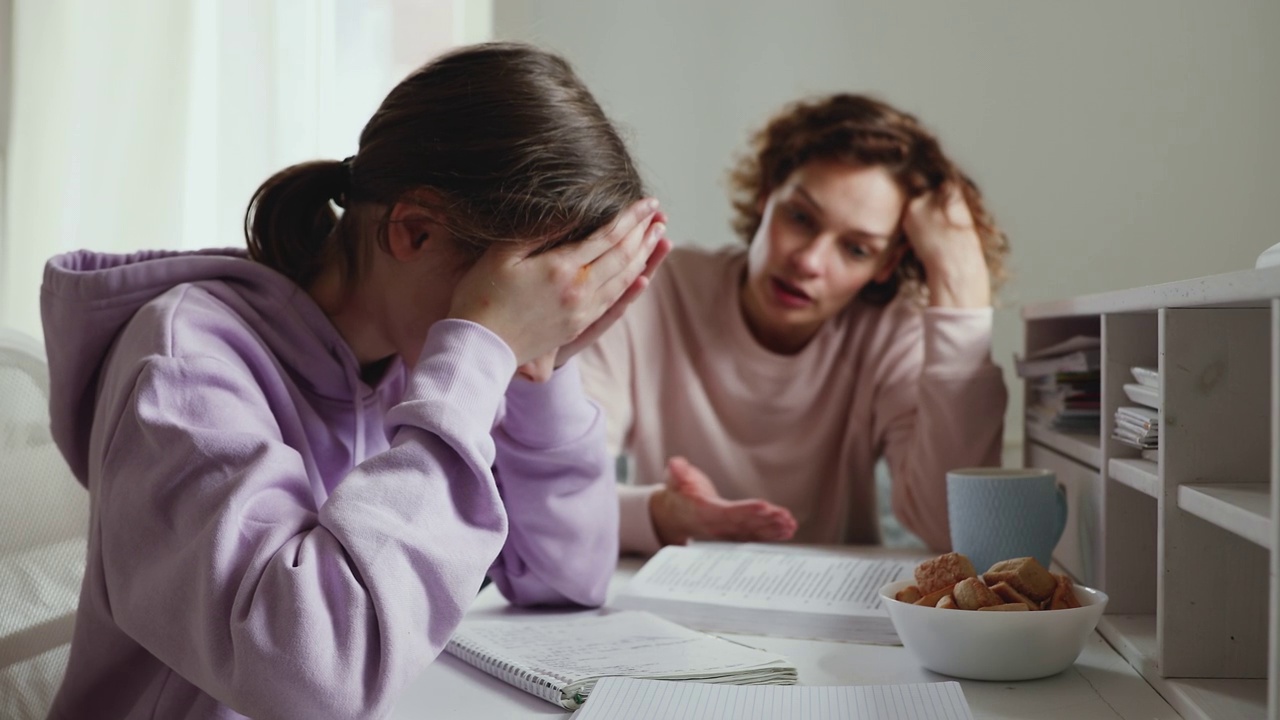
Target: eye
856	250
800	217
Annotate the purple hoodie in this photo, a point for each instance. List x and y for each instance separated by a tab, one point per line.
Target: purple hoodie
269	535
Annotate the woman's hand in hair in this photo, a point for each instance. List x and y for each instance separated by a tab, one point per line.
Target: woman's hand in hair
539	303
941	231
689	507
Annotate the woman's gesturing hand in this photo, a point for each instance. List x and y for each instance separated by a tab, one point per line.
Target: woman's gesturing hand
941	231
689	507
538	303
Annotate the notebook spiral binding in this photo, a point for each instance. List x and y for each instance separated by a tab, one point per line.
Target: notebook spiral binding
531	681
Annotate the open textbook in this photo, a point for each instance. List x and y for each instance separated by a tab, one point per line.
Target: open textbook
631	699
798	594
561	660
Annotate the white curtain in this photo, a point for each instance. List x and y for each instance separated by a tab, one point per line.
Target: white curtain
149	123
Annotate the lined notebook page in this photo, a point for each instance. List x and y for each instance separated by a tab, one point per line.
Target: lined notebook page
559	659
629	699
768	580
621	643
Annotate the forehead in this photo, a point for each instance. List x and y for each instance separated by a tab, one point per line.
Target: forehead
856	196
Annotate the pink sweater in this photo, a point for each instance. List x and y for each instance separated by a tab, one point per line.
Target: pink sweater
681	374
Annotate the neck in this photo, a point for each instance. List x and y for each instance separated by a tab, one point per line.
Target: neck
355	316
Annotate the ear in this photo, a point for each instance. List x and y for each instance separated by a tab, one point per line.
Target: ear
410	230
890	263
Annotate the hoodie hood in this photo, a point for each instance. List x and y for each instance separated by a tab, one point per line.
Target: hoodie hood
88	298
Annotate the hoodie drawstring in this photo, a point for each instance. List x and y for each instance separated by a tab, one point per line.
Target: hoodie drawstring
354	381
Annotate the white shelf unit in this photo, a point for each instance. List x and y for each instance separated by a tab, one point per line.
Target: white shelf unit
1188	545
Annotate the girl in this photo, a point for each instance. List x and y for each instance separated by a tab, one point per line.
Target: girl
756	388
303	461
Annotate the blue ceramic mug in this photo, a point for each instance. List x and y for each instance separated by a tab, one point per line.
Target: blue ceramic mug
1002	513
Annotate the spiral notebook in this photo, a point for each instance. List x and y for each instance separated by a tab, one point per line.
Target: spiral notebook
561	660
632	699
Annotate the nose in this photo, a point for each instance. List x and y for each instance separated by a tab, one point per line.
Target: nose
538	370
810	257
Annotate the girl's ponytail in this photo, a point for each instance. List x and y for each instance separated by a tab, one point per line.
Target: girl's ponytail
289	221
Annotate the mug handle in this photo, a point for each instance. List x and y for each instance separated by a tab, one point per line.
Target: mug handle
1061	497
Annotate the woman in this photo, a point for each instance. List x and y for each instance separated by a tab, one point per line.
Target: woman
304	462
756	388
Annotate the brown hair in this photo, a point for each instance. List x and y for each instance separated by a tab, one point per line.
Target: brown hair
862	131
508	141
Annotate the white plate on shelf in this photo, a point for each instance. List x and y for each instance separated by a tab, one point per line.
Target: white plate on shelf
1146	376
1143	395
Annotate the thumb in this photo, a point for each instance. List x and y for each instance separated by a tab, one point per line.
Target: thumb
687	479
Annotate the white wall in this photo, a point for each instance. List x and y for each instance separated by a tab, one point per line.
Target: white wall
6	75
149	123
1119	143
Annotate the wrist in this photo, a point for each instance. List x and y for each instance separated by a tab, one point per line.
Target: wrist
660	515
960	287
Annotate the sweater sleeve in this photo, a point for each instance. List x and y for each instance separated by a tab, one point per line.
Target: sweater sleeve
557	481
221	562
608	379
940	405
608	374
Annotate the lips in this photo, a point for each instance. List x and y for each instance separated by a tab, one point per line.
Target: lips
789	295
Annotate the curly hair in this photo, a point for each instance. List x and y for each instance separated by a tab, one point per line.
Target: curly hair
862	131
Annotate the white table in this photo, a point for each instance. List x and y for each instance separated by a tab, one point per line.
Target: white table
1100	686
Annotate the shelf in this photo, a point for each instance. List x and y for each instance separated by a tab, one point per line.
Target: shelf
1187	544
1243	288
1205	699
1083	447
1134	637
1141	475
1241	508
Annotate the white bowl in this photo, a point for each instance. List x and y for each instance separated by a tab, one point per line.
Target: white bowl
995	645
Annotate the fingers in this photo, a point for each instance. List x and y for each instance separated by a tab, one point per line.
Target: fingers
637	286
754	520
684	478
660	252
615	288
615	311
604	239
956	208
719	519
615	270
946	205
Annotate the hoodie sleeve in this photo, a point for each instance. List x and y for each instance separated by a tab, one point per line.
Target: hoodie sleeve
939	405
556	477
220	563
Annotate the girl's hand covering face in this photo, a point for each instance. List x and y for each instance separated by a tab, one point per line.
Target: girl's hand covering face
539	303
941	231
658	246
689	507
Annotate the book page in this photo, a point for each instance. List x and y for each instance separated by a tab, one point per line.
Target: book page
736	577
631	699
621	643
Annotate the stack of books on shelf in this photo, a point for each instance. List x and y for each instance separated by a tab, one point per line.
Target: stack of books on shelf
1138	425
1064	385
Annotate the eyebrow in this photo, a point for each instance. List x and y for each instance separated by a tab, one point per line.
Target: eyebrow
857	231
